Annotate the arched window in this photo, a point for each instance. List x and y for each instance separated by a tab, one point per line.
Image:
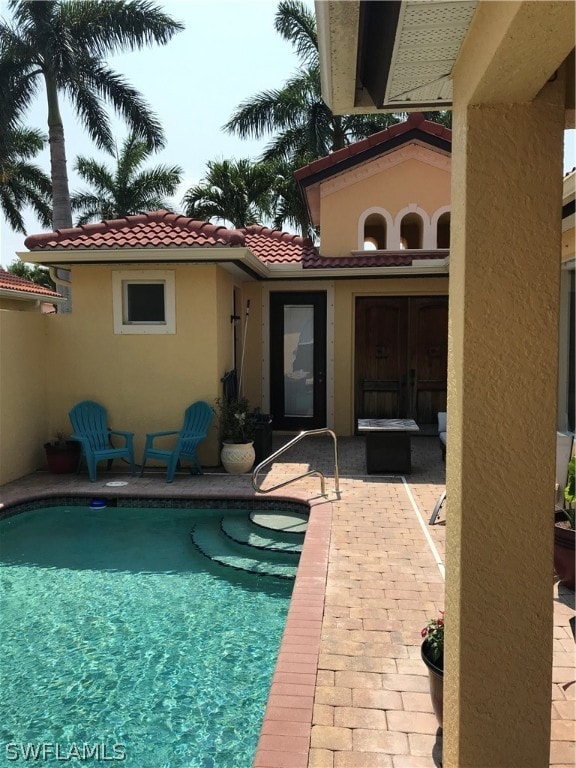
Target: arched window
443	231
374	233
411	231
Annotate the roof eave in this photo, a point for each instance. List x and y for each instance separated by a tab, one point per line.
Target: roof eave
196	255
8	293
420	269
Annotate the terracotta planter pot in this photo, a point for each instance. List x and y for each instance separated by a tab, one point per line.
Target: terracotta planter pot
436	679
564	545
63	459
238	458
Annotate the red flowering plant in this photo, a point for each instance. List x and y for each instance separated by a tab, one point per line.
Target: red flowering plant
433	634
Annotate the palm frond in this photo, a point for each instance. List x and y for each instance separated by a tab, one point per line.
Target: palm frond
110	26
297	24
23	183
132	154
94	173
161	180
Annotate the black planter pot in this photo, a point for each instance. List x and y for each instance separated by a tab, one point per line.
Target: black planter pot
564	547
436	679
63	459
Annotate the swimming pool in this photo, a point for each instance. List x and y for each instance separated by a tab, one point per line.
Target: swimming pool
121	641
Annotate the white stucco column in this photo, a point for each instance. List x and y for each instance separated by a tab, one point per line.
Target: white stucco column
504	299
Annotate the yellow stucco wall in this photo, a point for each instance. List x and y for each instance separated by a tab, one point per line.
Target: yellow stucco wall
504	282
145	381
393	189
252	369
23	405
19	306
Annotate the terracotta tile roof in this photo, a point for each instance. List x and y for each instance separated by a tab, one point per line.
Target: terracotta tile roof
274	247
416	125
391	259
158	229
10	282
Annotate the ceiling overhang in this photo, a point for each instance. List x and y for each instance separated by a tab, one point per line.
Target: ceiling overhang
395	56
402	55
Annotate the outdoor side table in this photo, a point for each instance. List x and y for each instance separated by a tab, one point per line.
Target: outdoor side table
388	446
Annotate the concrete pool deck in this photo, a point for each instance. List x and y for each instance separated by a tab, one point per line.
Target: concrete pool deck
350	689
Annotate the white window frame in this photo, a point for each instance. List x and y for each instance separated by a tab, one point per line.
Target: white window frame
119	298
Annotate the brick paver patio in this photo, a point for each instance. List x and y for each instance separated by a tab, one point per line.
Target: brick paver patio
350	689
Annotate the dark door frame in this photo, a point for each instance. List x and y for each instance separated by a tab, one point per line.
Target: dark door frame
277	301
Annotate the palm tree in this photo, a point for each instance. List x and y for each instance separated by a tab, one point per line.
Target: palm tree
62	43
301	123
237	191
288	204
127	189
21	182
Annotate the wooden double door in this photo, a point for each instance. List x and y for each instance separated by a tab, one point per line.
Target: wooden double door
401	356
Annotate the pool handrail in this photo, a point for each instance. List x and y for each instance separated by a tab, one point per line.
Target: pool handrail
284	448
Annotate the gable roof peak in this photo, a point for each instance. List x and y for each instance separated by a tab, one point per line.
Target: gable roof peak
416	127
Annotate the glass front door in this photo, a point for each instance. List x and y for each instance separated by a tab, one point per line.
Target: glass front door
298	360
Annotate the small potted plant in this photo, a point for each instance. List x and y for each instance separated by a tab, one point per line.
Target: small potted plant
237	430
62	456
564	531
432	652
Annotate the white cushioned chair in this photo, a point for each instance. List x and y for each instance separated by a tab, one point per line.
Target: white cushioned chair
442	432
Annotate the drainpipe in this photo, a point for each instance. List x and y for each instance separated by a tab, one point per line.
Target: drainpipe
62	278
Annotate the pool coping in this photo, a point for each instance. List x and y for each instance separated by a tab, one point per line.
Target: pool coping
285	734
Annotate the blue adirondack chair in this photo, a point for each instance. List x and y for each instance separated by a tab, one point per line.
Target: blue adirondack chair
90	425
197	420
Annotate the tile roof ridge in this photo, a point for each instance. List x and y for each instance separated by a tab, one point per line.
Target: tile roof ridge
230	236
278	234
233	236
219	231
94	227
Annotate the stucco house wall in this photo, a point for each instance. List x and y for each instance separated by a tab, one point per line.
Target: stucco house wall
24	423
401	181
145	381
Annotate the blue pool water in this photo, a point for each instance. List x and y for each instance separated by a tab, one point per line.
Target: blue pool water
117	634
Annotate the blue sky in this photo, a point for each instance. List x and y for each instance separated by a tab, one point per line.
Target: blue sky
228	52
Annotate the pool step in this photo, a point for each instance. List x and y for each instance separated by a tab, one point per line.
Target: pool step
290	523
209	539
243	531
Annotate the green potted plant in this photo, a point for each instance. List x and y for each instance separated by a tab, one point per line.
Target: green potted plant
432	652
62	456
237	430
564	531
